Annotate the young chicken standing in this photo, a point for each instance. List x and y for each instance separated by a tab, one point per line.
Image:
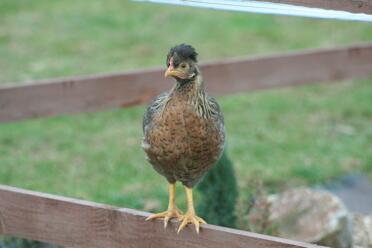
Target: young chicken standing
184	132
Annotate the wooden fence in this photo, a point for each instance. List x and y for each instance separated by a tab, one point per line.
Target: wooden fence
92	93
77	223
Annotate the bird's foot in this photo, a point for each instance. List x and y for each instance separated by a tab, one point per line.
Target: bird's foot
190	217
167	215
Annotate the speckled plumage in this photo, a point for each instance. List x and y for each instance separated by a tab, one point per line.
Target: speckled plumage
183	132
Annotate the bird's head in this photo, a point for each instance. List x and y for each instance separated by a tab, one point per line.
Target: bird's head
182	63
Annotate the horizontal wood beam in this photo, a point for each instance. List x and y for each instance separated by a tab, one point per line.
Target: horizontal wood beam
354	6
76	223
92	93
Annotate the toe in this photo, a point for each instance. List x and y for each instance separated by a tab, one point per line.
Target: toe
201	220
178	214
166	219
155	216
181	217
197	225
183	224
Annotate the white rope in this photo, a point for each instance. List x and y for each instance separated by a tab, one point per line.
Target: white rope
268	8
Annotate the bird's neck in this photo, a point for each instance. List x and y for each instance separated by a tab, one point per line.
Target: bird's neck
194	95
190	89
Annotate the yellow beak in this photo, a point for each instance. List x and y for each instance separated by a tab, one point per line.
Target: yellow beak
170	72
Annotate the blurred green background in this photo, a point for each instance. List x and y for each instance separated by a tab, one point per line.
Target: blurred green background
282	137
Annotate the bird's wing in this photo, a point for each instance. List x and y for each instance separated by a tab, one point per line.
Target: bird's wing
154	106
215	109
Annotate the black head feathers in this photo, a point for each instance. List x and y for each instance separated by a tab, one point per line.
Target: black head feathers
182	52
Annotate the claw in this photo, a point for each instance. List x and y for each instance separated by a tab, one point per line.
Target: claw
191	218
166	219
201	220
155	216
167	215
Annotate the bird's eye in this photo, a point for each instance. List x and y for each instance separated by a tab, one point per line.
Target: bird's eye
183	66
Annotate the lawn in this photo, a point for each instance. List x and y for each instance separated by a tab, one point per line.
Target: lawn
283	137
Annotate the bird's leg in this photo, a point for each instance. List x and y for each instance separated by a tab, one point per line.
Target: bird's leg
190	216
172	212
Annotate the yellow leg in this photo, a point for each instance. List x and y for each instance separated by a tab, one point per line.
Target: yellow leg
172	212
190	216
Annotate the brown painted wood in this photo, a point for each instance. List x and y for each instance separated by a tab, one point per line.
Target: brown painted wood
354	6
79	94
77	223
82	94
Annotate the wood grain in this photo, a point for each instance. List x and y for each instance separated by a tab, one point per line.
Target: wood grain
76	223
82	94
354	6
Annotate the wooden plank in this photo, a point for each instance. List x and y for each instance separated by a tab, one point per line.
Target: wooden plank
76	223
354	6
81	94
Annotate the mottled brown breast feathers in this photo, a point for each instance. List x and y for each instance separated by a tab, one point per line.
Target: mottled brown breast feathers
184	134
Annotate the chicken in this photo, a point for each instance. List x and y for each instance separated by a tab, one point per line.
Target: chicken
184	132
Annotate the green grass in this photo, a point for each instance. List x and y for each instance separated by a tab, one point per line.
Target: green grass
284	137
41	39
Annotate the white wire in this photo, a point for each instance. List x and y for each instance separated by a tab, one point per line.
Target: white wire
268	8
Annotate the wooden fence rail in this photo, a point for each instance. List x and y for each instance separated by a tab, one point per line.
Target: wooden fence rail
81	94
76	223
